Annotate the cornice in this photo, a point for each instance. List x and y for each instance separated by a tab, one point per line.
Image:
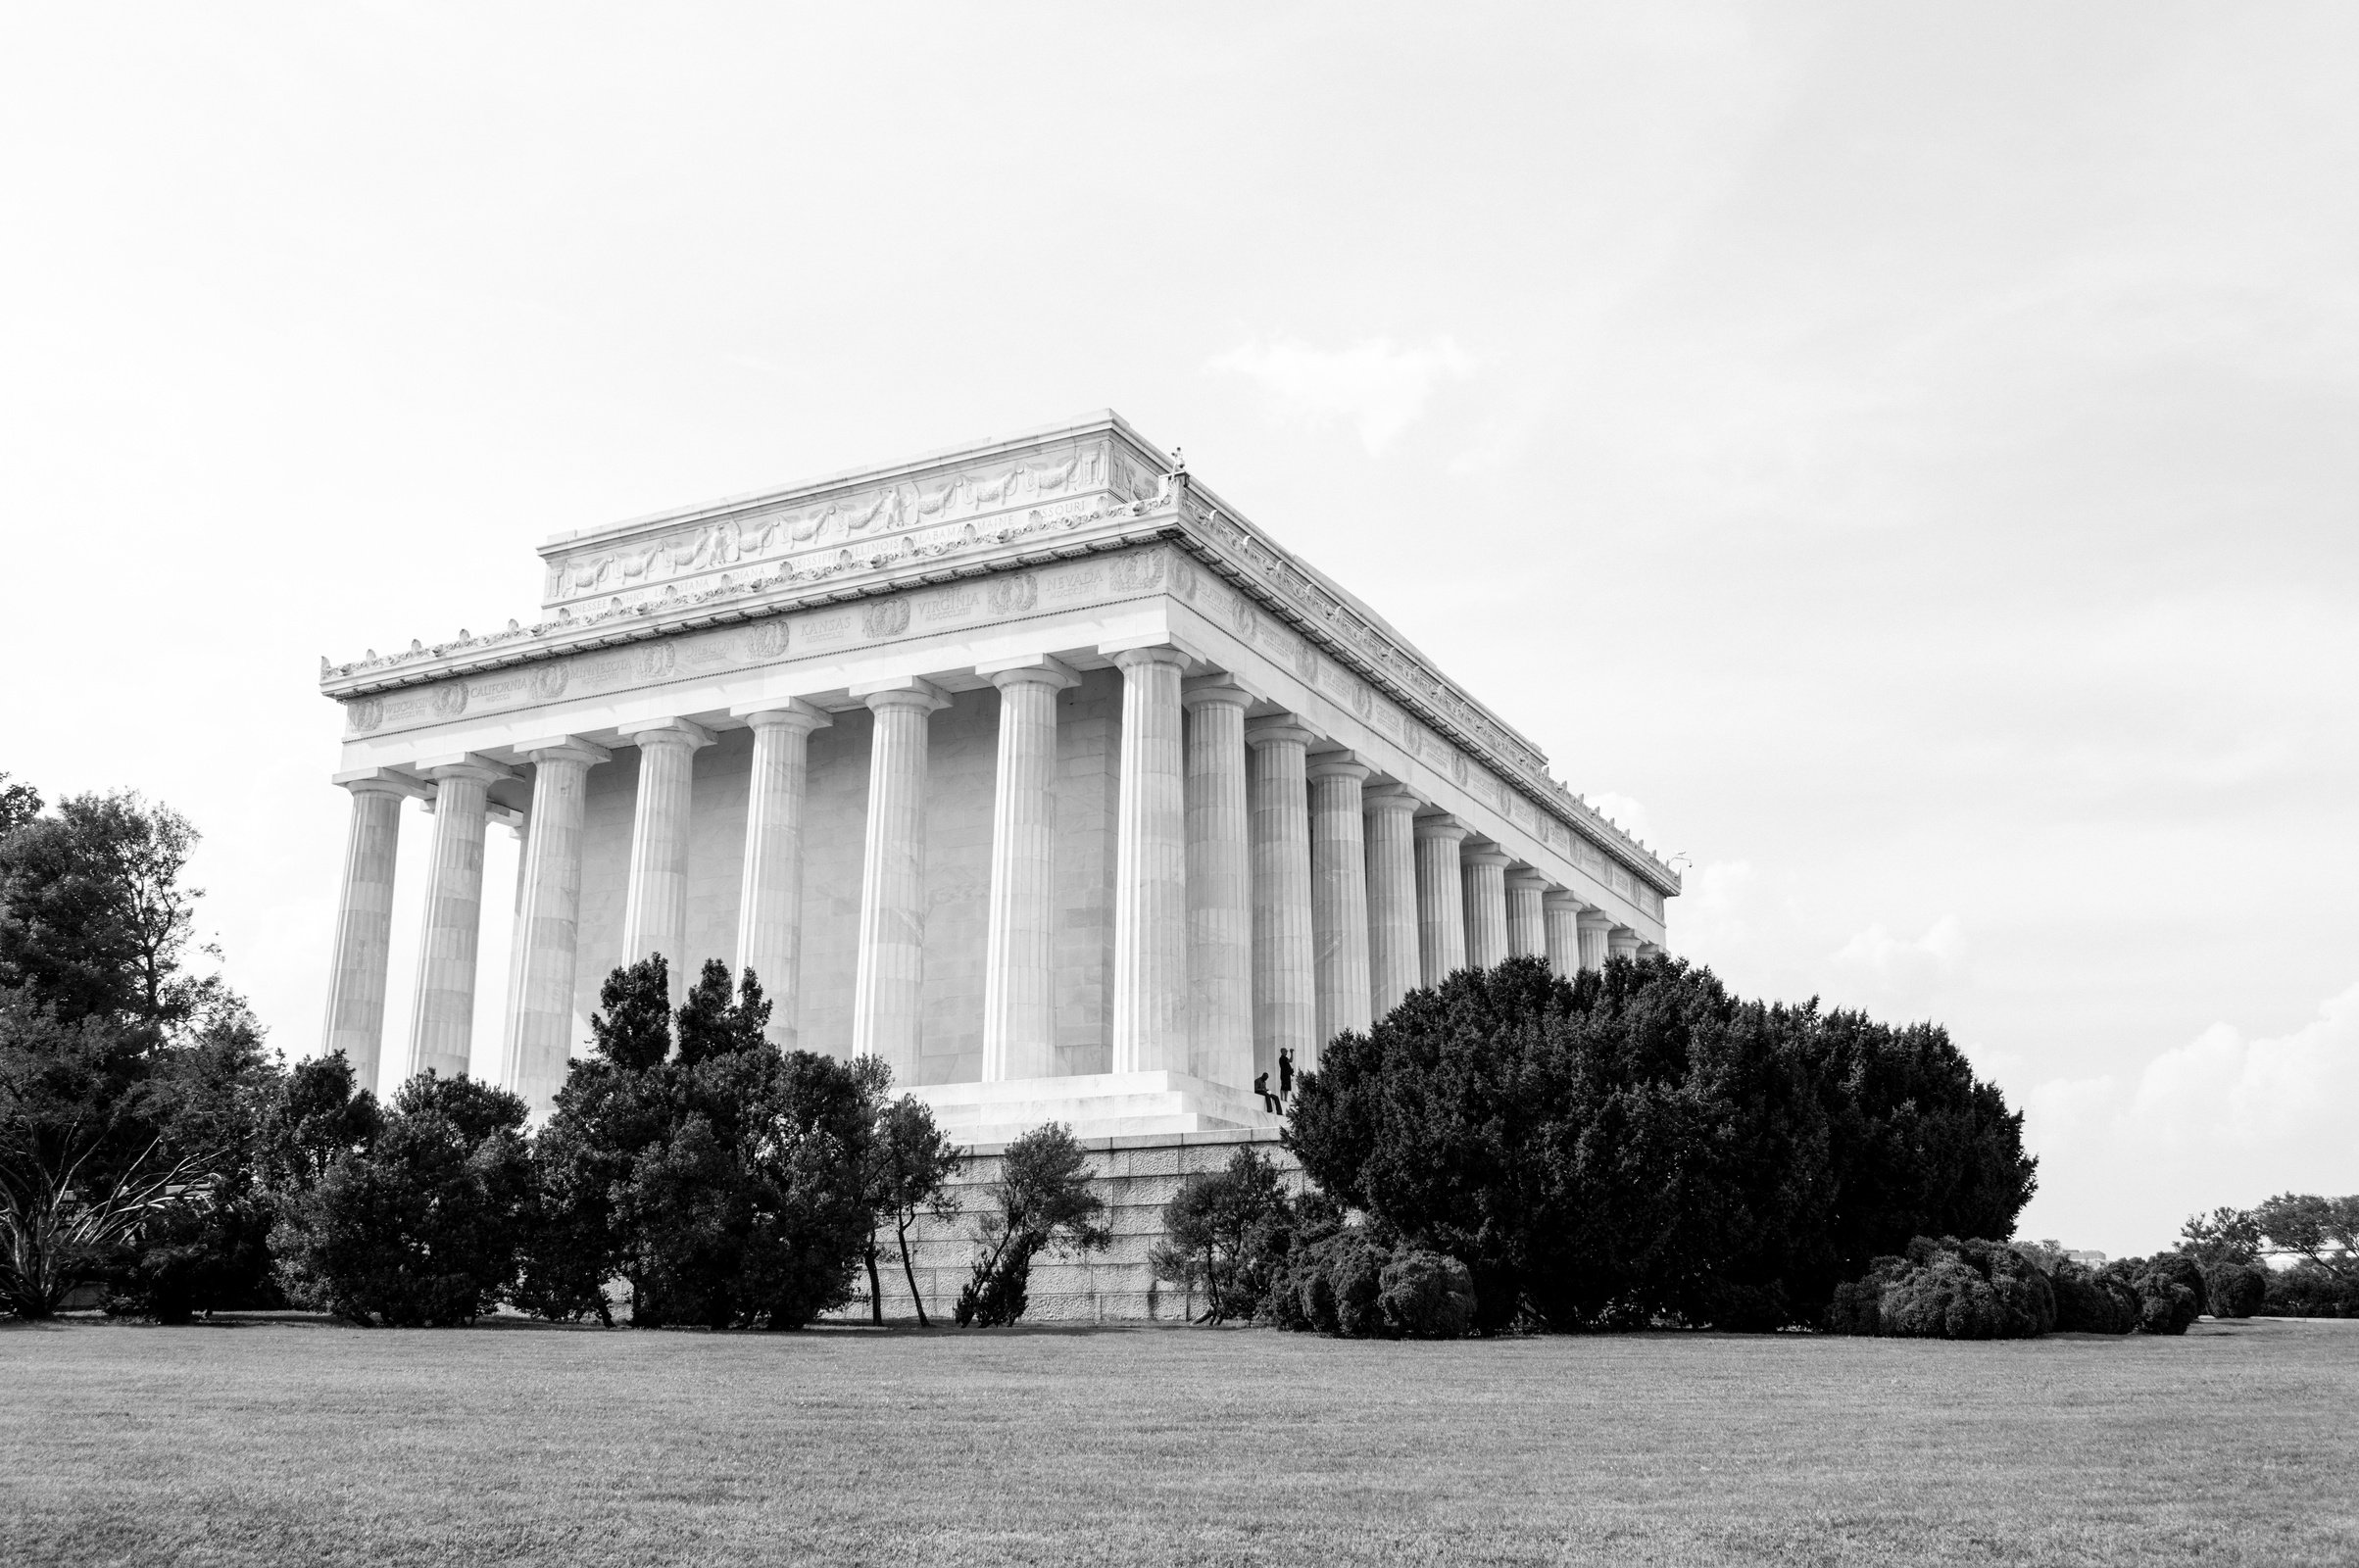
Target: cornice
1184	512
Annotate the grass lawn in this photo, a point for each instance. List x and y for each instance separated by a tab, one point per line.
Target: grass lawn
293	1441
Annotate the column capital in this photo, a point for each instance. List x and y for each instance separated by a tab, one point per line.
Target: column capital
1157	653
1523	876
790	712
1337	764
1278	729
1557	898
908	691
667	732
1030	670
1213	691
563	749
1441	826
381	781
1596	919
1388	797
1482	851
465	766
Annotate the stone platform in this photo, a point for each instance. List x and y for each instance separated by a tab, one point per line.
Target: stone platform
1134	1175
1095	1105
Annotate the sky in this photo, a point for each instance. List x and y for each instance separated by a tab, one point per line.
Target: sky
1901	459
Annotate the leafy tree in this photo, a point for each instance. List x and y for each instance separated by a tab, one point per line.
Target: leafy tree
2223	1236
912	1165
127	1087
1042	1201
724	1178
420	1224
1217	1229
2322	1231
1639	1146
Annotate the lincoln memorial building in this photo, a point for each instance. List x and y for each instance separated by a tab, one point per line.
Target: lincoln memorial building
1032	767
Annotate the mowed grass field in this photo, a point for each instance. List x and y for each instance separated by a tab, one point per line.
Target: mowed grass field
298	1441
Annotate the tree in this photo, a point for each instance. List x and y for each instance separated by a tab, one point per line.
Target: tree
1042	1201
2322	1231
421	1224
911	1164
722	1176
1638	1145
20	804
1217	1229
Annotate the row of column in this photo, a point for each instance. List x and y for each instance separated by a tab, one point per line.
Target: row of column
1267	897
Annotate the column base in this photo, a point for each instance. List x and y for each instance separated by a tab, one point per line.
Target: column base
1101	1105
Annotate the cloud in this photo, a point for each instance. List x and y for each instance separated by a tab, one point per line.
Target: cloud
1901	974
2223	1119
1375	385
1624	812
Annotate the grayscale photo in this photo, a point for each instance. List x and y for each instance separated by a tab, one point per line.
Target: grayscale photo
1235	785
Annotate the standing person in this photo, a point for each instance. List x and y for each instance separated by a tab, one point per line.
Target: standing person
1286	1077
1270	1102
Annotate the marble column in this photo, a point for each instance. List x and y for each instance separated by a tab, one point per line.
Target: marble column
1561	913
442	1022
1649	949
1391	833
1441	898
1594	925
1486	904
1220	885
539	1038
364	945
1019	947
1285	979
1527	928
1151	869
888	998
655	901
1622	943
769	897
1339	901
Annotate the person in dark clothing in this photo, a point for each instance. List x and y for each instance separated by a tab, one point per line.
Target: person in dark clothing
1286	1076
1269	1101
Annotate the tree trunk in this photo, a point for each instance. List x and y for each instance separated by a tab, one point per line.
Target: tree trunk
910	1274
876	1292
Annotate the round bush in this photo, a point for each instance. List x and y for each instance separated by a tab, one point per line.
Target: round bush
2235	1289
1426	1295
2088	1304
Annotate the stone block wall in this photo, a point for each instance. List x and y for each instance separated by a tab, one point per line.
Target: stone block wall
1135	1176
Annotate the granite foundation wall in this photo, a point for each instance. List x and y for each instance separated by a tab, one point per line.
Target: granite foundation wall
1135	1176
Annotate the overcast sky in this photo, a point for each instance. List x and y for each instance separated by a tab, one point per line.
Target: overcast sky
1901	458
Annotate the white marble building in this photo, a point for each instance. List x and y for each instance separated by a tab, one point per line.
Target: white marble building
1031	767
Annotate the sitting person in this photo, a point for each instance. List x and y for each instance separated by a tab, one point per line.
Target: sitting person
1269	1101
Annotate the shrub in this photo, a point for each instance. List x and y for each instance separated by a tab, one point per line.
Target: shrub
1947	1289
2235	1289
1426	1295
1041	1201
2307	1289
2168	1287
2088	1303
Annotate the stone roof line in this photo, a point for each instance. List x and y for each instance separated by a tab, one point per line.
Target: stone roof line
1181	510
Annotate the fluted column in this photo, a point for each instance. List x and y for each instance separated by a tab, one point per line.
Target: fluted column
363	943
1594	925
1221	886
1019	950
1441	898
1339	901
1392	853
1527	928
442	1022
1561	913
1486	868
1151	869
538	1042
770	898
1622	943
1285	976
888	1003
654	903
